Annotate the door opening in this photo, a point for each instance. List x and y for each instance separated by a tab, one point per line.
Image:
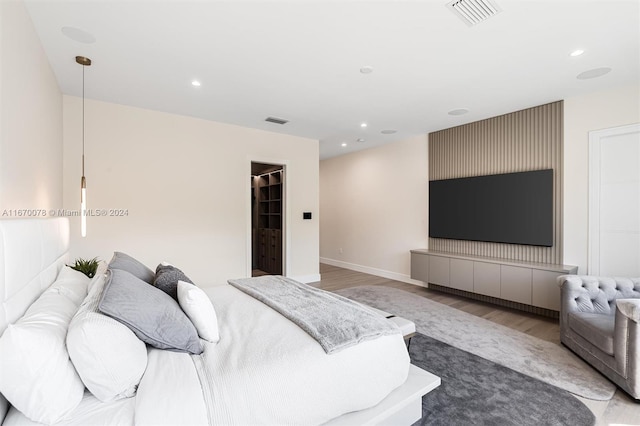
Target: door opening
267	213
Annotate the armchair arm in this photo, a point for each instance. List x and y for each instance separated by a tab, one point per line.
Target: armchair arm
625	342
573	282
630	308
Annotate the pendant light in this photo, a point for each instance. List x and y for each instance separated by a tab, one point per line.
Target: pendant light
85	62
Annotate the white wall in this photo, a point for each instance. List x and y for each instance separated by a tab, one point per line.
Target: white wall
373	206
30	117
186	185
583	114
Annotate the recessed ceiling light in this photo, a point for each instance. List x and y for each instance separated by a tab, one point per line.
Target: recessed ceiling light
596	72
343	144
360	140
367	69
76	34
195	83
363	125
388	132
576	52
458	111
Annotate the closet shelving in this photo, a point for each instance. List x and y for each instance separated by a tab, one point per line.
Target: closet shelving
268	191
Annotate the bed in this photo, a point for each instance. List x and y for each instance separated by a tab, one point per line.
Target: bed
264	369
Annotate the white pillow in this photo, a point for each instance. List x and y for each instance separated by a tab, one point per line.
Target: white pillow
72	283
109	358
100	270
38	377
197	305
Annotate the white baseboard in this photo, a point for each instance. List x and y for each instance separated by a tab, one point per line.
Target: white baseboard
306	279
373	271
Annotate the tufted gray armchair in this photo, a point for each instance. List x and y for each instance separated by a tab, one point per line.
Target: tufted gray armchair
600	321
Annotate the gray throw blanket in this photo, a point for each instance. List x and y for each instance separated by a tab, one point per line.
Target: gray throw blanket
334	321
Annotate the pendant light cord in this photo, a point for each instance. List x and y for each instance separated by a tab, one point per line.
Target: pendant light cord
83	67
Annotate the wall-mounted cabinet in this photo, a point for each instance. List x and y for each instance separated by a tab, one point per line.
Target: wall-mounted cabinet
439	270
515	284
420	268
545	289
486	279
528	283
461	274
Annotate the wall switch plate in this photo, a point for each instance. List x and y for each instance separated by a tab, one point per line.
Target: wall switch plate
306	215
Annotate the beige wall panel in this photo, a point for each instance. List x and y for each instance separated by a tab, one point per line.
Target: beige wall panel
520	141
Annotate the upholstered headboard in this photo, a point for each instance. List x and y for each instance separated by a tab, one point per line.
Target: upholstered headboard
32	252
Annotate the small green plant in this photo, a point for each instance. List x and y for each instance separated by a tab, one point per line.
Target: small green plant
87	267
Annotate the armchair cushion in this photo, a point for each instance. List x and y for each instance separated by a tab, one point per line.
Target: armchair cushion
596	329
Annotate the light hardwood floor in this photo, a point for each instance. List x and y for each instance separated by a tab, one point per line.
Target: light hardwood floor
335	278
621	410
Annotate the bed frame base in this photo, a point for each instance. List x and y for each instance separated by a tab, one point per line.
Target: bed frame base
403	406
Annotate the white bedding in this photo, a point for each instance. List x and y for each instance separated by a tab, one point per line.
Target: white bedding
266	370
91	411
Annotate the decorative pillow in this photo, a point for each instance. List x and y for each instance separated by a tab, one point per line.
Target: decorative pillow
150	313
197	305
109	358
38	377
127	263
167	277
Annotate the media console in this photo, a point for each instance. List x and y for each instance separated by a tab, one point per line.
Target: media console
526	283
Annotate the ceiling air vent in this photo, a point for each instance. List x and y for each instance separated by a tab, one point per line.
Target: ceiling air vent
276	120
473	12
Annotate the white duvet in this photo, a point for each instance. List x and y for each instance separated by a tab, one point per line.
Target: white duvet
264	370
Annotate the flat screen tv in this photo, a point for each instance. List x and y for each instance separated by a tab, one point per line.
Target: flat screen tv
514	208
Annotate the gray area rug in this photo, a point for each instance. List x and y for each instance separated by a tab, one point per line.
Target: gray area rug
528	355
480	392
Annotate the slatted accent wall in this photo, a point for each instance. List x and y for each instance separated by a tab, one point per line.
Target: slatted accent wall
525	140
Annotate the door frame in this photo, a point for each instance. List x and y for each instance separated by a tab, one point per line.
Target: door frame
285	212
593	236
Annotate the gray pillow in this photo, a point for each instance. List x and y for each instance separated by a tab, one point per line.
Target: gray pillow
167	277
153	316
127	263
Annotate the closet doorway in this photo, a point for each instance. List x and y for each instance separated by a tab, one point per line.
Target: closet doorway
267	218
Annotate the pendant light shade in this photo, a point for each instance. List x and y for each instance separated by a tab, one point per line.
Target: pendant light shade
85	62
83	206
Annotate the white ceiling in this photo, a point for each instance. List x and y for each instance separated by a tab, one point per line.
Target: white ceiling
300	60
